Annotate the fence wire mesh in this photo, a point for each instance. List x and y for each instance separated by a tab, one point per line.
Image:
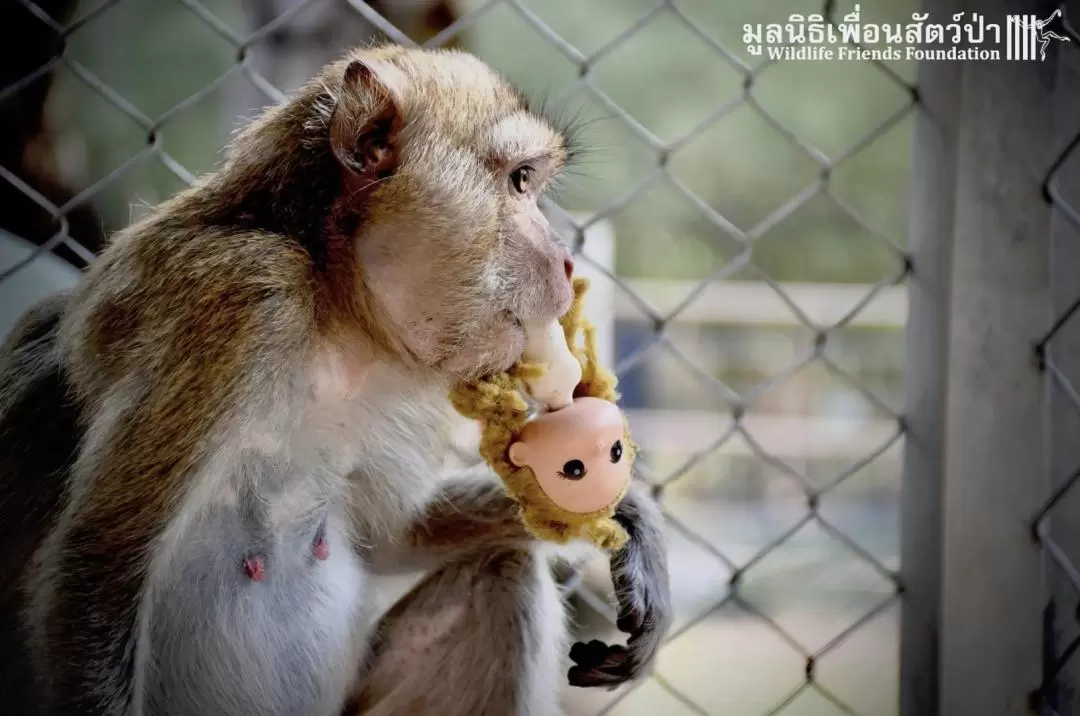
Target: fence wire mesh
1054	527
800	689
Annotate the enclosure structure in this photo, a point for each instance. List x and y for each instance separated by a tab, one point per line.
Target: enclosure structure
990	510
756	311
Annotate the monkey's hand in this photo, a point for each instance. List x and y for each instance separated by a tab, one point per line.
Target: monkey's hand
640	575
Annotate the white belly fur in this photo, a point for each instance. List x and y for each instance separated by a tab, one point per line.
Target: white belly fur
217	642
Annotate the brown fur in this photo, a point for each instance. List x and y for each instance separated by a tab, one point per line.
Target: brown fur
271	346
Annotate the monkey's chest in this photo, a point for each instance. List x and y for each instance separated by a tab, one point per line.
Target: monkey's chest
259	614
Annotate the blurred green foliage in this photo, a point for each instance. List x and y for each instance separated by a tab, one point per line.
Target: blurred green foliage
669	80
663	76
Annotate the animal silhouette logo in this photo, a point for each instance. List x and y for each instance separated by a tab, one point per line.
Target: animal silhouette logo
1024	32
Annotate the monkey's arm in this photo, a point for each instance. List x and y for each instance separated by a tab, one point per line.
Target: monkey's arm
473	513
640	575
467	512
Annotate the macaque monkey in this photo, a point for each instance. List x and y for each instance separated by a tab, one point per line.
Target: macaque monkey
211	447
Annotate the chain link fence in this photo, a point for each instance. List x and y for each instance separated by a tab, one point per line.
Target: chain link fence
1055	525
742	642
992	464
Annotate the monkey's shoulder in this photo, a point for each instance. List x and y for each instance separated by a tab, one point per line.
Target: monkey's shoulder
168	293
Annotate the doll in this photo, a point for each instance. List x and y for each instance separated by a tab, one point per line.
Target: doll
569	466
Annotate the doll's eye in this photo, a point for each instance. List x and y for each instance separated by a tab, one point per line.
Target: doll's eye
616	451
573	470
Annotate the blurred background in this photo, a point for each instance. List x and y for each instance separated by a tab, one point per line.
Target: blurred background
744	220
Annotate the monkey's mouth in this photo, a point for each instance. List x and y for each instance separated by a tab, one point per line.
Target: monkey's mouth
515	343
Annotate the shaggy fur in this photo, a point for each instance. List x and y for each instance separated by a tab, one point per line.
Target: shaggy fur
257	372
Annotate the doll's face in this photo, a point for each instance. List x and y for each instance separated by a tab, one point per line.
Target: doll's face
579	454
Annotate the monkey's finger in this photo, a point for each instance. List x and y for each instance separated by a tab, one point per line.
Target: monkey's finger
588	654
610	675
607	658
624	666
580	678
579	653
617	670
592	678
601	665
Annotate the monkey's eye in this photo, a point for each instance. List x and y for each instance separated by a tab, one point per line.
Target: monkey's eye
616	451
573	470
520	179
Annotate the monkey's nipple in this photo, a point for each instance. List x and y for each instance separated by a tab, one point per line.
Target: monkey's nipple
254	568
321	548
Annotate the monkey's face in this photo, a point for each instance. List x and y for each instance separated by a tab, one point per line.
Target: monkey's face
452	245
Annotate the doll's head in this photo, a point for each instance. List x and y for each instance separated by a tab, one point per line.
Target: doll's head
580	454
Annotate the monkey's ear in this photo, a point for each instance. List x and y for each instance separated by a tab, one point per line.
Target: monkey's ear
364	126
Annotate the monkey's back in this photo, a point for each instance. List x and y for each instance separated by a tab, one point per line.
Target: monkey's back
41	432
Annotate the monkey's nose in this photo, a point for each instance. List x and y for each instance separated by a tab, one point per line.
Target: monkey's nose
568	264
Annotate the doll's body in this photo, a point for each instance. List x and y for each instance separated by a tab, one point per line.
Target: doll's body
546	347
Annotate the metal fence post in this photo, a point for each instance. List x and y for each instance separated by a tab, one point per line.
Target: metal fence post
990	572
1061	672
930	242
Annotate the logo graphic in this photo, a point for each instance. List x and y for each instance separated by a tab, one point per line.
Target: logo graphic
970	36
1024	31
